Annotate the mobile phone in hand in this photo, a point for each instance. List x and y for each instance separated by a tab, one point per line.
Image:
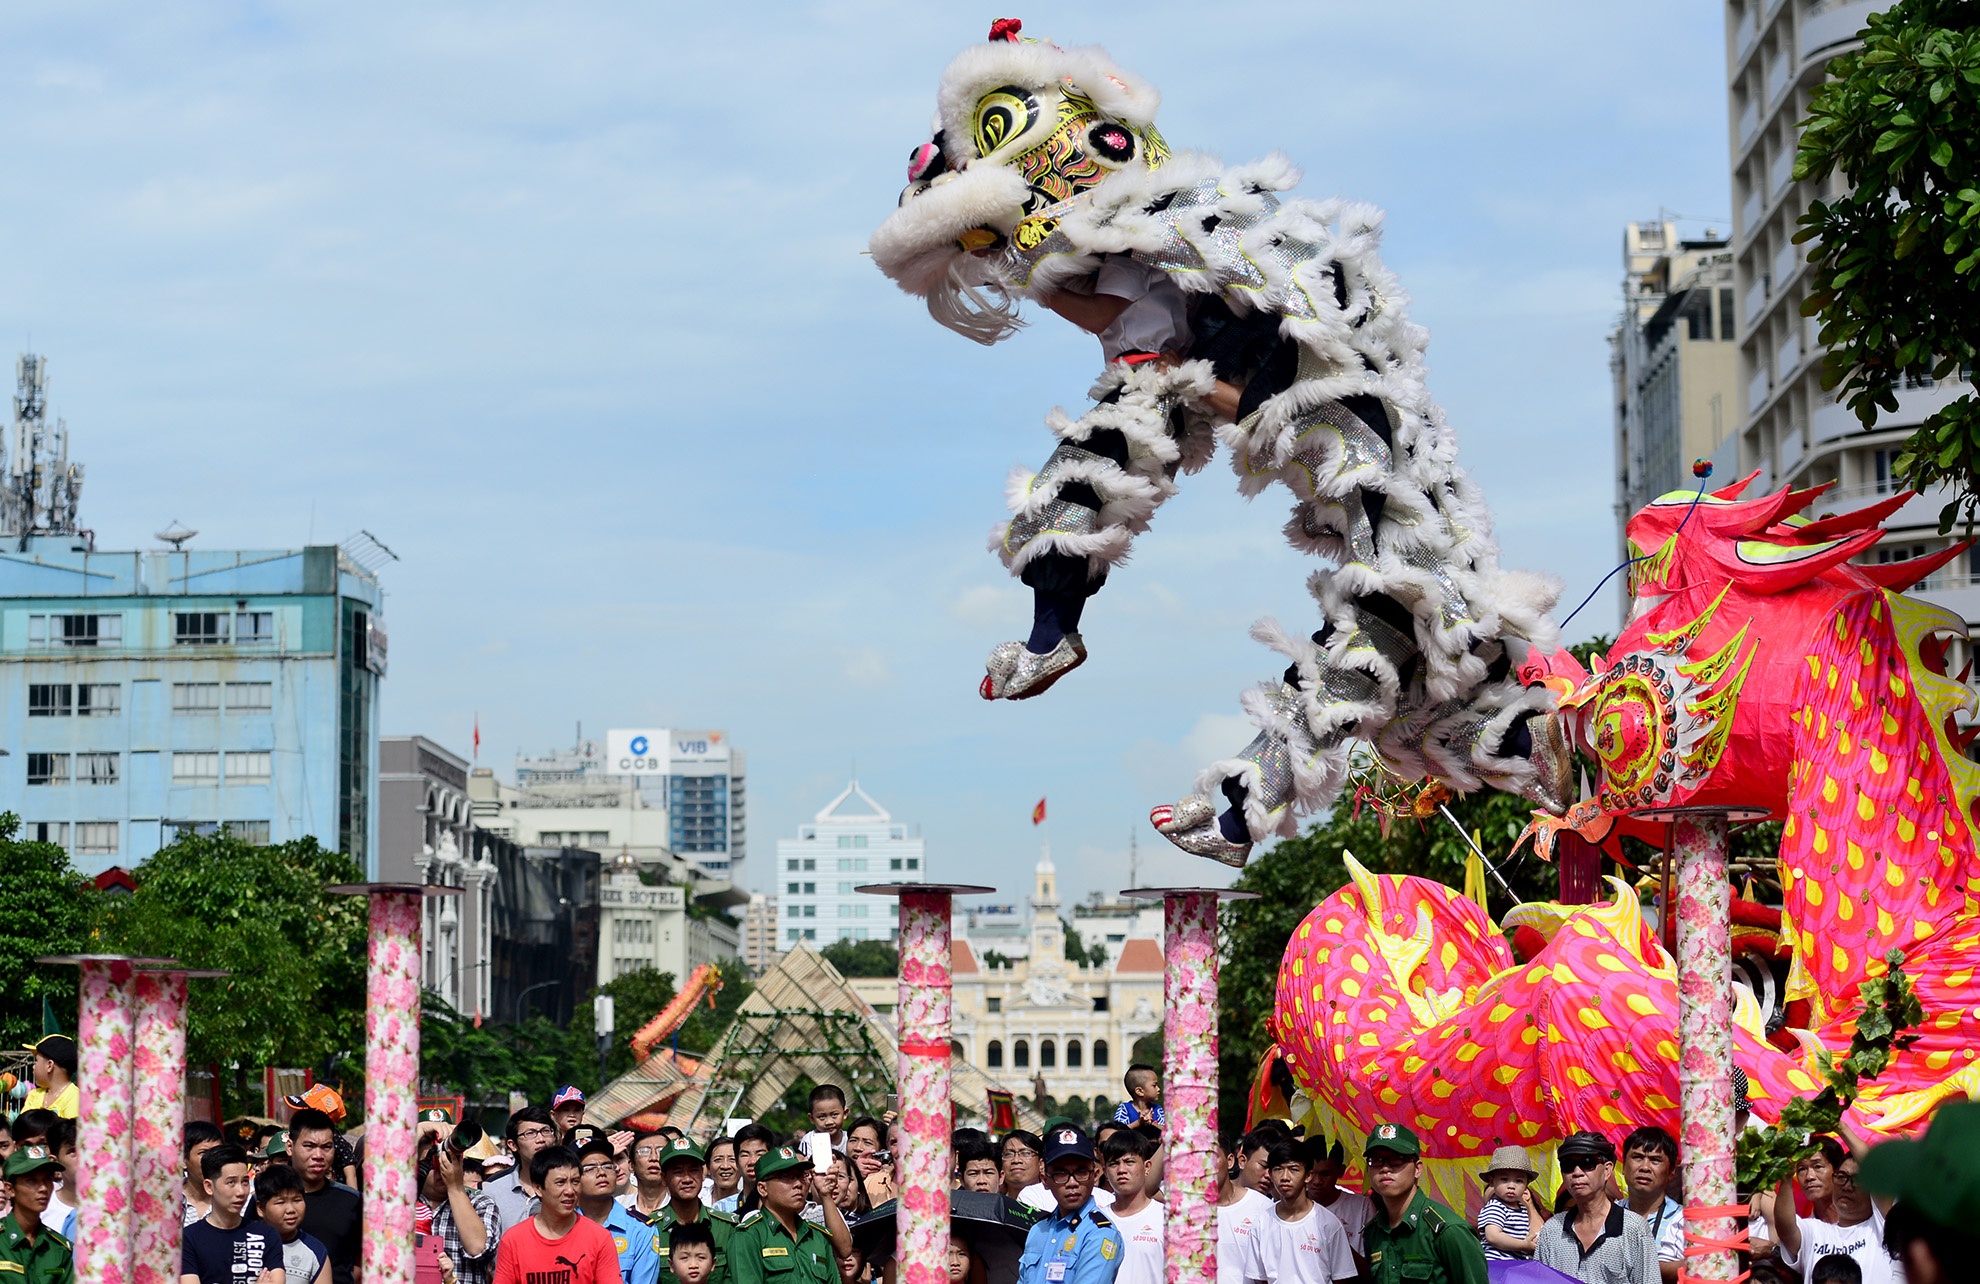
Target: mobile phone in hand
820	1147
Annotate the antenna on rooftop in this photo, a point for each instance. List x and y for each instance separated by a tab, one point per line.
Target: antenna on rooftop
1134	859
175	535
42	486
367	551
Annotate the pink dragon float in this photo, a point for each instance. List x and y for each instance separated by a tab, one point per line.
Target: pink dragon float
1762	670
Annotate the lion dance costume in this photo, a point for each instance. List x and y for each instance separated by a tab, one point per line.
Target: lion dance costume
1047	178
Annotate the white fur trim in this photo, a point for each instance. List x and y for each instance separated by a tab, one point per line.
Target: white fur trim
917	244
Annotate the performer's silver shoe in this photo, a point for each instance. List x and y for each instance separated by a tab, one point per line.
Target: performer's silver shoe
1013	673
1192	825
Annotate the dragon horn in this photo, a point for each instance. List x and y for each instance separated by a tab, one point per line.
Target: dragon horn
1750	517
1899	576
1736	489
1851	522
1775	568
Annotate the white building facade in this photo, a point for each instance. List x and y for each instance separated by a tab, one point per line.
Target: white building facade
853	841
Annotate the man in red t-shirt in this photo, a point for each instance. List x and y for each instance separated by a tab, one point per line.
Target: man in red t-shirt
556	1246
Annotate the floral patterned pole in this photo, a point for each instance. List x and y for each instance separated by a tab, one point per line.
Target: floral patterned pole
391	1077
1189	1076
105	1032
1705	1046
925	1161
158	1092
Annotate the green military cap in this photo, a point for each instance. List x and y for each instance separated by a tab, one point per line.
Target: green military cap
436	1115
780	1160
1939	1175
683	1148
31	1159
1395	1139
278	1145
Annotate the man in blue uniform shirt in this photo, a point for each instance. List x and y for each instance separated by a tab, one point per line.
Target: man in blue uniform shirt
1077	1243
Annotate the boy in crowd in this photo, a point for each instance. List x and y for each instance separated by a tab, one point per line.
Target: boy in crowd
54	1076
28	1246
976	1167
334	1212
681	1168
1240	1214
220	1248
556	1245
567	1108
1301	1241
690	1251
636	1243
1509	1220
828	1116
201	1136
278	1197
1126	1159
1144	1090
62	1144
530	1130
1649	1163
1352	1211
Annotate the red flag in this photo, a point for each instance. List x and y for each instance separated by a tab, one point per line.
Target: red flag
1038	813
477	737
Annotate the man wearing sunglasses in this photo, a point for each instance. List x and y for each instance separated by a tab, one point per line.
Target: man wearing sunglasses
1598	1241
1077	1243
1412	1237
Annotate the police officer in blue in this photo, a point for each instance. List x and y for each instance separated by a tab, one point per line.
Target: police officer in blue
1077	1243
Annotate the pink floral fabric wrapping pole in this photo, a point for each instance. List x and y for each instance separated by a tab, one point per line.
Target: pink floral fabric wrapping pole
1705	1060
391	1086
158	1123
1189	1085
923	1166
105	1032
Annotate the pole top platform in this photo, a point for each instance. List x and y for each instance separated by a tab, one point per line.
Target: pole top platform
77	960
940	889
1164	893
1730	813
192	973
407	889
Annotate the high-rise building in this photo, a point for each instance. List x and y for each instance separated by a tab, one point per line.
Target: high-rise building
853	841
1674	361
1791	430
759	933
426	835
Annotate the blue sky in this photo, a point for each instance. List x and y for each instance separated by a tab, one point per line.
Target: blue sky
566	303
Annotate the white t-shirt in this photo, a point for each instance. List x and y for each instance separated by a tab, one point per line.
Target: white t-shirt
1141	1245
1864	1241
1353	1212
1312	1250
1237	1238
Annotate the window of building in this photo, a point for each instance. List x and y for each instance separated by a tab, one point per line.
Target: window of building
201	628
810	933
1072	1054
845	840
1021	1055
197	828
994	1003
46	831
99	700
251	767
195	697
811	889
48	768
791	864
195	768
895	863
75	630
993	1056
96	768
1100	1005
859	840
252	832
96	838
1048	1054
914	862
250	697
810	911
1884	463
791	934
810	864
1099	1054
254	628
1726	314
50	699
791	889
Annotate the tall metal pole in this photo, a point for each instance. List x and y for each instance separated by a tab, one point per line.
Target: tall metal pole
1705	1044
1189	1076
925	1161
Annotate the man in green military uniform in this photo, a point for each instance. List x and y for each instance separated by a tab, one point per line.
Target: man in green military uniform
1412	1237
682	1165
774	1244
30	1252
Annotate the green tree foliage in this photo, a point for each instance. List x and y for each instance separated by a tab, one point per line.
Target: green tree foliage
46	907
294	953
1896	257
862	958
484	1063
1077	951
1298	873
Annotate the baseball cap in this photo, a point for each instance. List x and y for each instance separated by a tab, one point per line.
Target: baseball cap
780	1160
321	1097
568	1095
682	1148
59	1048
1938	1175
1395	1139
1586	1145
1512	1159
1067	1142
596	1144
31	1159
436	1115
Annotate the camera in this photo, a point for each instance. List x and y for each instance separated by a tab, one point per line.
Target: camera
466	1136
